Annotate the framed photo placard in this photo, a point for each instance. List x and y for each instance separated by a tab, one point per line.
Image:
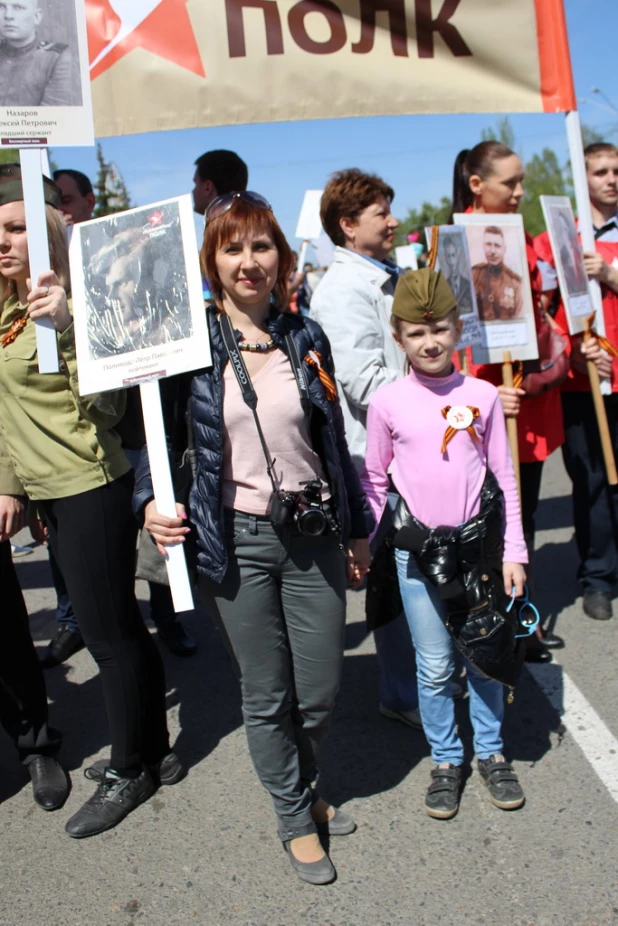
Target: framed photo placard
137	296
45	96
454	262
569	260
497	249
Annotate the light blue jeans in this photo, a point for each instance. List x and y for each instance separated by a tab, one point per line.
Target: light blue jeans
435	662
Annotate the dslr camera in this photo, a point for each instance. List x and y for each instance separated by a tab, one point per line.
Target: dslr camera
304	509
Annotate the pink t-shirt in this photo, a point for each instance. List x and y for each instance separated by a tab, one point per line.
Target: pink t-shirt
405	428
246	486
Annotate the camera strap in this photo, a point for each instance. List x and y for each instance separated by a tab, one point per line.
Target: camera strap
249	394
246	387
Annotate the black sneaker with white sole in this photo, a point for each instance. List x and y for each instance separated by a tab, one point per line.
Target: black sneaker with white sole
502	783
113	800
442	799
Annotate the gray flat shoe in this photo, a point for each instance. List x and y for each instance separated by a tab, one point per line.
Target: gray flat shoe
322	872
339	825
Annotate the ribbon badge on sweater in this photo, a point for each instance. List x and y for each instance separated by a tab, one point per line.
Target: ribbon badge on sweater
459	418
314	359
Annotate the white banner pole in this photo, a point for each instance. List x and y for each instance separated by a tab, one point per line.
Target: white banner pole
302	254
38	249
164	491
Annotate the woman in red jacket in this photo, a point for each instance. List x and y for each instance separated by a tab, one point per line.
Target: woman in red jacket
489	179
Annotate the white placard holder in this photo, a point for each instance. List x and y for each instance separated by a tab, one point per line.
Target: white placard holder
176	563
584	213
38	249
302	255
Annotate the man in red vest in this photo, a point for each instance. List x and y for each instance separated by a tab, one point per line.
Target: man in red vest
595	504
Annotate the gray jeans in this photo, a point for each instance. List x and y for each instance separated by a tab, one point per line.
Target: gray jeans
281	610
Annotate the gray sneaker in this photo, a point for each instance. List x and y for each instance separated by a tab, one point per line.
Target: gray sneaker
502	783
411	718
442	799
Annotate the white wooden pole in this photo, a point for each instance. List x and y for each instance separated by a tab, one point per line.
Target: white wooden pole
38	249
302	254
164	491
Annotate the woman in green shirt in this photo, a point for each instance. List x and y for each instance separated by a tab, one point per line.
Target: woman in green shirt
60	449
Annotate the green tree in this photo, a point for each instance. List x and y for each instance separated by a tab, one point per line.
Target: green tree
504	133
418	219
543	176
110	189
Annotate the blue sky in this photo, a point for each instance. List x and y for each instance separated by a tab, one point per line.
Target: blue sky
413	153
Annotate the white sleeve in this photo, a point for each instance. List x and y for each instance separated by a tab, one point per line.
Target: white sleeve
352	323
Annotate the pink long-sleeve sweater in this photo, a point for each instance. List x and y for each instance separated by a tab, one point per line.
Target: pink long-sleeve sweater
405	430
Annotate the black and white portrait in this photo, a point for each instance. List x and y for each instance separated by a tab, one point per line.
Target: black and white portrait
568	260
454	264
136	283
39	58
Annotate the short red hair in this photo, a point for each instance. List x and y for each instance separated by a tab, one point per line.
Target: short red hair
242	219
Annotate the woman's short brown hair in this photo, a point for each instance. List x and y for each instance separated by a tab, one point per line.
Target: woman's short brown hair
346	195
242	219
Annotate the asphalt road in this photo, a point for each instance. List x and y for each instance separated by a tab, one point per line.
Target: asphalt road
206	850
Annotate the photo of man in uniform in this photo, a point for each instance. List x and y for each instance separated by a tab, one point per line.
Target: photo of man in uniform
499	294
33	70
452	262
570	253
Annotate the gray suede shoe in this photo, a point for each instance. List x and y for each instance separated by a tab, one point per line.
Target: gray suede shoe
322	872
339	825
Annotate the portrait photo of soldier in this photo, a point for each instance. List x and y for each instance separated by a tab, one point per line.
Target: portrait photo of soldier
569	253
498	287
454	263
136	284
39	62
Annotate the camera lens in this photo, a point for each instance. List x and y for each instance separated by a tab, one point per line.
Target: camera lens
311	522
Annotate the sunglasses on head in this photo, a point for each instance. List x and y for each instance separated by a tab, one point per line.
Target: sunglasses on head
222	203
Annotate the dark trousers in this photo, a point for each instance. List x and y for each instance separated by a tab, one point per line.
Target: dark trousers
64	608
530	476
281	612
23	698
94	535
594	502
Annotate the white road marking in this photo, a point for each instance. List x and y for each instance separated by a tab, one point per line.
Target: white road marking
596	741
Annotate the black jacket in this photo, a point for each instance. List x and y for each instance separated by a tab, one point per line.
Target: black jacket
204	390
465	565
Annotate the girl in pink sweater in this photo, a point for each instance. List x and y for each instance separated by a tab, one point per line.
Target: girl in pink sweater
437	433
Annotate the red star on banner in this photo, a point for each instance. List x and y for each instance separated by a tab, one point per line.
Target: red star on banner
163	27
156	218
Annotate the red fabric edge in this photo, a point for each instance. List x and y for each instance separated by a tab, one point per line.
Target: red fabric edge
557	88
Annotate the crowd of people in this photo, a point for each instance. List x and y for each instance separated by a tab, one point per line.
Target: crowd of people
338	446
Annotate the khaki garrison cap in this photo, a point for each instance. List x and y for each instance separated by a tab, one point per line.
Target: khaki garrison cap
423	296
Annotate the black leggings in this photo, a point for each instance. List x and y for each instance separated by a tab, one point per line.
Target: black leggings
94	537
23	699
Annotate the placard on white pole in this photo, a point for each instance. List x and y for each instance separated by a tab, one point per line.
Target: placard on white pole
38	249
584	212
175	561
